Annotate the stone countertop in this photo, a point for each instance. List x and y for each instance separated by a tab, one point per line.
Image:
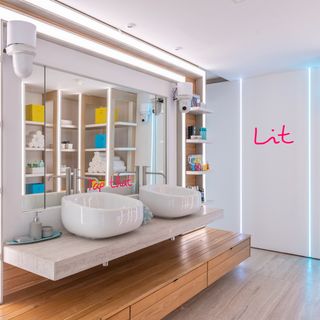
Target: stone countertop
70	254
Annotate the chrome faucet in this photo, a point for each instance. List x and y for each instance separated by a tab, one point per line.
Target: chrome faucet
67	176
137	178
77	176
145	173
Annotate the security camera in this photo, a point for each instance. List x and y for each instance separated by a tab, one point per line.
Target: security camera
183	94
184	103
144	112
21	45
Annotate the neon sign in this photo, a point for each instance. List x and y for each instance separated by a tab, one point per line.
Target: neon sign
274	137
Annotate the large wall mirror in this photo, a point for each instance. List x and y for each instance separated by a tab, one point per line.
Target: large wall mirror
96	131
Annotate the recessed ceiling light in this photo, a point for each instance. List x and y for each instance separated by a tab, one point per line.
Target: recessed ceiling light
79	82
131	25
238	1
178	48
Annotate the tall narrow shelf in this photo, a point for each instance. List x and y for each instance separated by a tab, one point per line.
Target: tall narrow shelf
34	95
124	104
195	117
88	133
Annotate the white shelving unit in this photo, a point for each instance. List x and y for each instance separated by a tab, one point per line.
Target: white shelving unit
124	124
41	124
196	141
95	125
197	173
199	111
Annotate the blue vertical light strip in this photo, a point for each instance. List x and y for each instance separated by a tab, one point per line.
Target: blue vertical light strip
309	167
240	152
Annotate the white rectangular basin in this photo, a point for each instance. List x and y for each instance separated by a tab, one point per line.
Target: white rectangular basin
170	201
100	215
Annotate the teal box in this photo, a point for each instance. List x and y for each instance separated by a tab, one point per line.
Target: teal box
100	140
32	188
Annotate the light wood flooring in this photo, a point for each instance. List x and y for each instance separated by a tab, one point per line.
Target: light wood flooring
268	285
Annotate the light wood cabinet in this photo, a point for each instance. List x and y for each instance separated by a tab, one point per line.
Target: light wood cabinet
145	285
165	300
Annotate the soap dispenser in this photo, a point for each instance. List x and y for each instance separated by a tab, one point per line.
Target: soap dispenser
36	228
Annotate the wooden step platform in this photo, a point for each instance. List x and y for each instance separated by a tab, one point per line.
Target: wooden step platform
147	284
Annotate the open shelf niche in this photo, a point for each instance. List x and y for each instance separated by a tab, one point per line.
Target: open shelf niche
186	147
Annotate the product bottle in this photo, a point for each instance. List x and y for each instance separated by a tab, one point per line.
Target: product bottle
36	228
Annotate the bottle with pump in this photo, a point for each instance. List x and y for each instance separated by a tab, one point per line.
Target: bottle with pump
36	228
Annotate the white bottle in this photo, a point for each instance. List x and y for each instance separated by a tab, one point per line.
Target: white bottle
36	228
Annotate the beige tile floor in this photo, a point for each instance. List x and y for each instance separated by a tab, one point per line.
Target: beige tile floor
268	285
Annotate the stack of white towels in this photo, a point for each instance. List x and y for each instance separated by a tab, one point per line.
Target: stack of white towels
118	165
35	139
98	163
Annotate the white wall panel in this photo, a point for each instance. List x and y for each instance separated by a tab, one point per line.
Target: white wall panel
275	176
223	152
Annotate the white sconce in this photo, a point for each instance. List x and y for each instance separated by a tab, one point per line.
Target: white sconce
21	45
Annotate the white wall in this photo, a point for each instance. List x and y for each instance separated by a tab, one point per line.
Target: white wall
15	221
223	152
275	176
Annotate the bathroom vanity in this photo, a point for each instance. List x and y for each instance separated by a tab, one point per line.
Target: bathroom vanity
147	284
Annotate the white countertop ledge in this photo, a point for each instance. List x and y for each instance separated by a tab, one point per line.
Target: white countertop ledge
70	254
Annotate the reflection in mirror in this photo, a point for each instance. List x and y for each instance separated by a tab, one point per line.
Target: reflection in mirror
33	144
151	137
94	136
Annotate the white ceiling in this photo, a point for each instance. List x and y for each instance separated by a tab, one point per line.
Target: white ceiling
229	38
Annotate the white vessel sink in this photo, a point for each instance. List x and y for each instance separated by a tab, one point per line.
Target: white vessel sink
100	215
170	201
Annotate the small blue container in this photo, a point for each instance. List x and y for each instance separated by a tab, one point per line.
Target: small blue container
100	140
32	188
203	133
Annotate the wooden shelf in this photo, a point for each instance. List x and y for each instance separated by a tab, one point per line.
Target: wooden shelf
119	124
35	123
196	111
38	149
96	125
68	126
70	254
197	141
123	174
96	149
125	149
35	175
197	173
96	174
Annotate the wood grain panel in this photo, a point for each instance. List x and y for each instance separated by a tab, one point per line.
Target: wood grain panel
15	279
164	276
167	290
166	305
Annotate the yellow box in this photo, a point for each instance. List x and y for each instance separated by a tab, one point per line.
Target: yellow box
35	112
101	115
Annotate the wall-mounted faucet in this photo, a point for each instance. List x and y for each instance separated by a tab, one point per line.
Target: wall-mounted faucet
145	173
77	176
68	180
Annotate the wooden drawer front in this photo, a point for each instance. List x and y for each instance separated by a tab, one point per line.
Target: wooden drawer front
165	300
122	315
98	315
225	262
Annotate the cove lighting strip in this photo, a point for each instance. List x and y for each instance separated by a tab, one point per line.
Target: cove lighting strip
309	167
240	152
97	26
90	45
